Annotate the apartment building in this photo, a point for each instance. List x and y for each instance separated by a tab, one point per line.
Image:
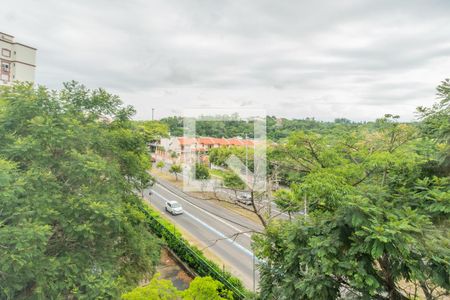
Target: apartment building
18	61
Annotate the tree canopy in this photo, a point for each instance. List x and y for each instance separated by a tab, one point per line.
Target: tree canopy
176	169
152	131
70	225
436	124
376	223
201	288
201	172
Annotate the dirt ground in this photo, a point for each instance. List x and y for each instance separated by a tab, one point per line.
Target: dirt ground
171	270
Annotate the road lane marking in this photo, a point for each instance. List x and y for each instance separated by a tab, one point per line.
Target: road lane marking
226	238
205	211
232	241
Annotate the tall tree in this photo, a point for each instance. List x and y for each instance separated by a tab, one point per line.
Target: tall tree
152	130
70	224
160	165
436	123
201	172
175	169
376	224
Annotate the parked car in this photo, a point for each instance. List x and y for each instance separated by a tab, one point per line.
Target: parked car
174	207
245	199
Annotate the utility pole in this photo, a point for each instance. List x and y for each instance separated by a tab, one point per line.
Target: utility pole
246	159
153	114
254	273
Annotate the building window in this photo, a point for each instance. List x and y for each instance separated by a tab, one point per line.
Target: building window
5	67
6	53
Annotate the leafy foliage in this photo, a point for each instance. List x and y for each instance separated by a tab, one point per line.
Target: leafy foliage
201	172
277	128
152	131
436	124
201	288
175	169
220	155
206	288
160	165
232	181
375	219
156	289
70	224
288	200
190	254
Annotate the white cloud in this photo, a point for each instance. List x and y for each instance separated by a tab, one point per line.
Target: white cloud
323	59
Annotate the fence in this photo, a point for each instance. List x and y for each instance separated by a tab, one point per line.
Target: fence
192	256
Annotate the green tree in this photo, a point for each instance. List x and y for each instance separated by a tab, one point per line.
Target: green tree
71	162
206	288
219	156
201	288
436	124
152	131
232	181
288	201
160	165
175	170
175	125
201	172
173	155
370	226
156	289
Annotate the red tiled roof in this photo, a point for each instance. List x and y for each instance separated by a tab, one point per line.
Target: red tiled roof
221	141
186	141
235	142
205	141
215	141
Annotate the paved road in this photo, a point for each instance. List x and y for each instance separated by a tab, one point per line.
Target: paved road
214	227
230	194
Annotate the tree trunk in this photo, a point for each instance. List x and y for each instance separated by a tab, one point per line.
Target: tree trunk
389	282
426	290
255	210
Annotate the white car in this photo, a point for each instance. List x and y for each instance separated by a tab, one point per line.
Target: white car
174	207
245	199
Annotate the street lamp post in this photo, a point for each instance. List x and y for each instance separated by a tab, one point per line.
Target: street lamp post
254	272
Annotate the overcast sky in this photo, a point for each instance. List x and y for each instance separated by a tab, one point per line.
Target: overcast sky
322	59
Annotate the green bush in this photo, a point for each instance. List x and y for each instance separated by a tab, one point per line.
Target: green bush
191	255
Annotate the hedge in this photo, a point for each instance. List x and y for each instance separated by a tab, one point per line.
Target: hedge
190	254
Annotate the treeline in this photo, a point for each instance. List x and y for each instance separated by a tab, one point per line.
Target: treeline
277	128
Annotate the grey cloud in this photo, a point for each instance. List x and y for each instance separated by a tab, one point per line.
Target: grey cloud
331	57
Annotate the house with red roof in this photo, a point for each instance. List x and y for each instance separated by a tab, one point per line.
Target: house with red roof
178	146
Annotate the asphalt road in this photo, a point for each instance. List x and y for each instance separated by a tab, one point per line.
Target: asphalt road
225	233
227	193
